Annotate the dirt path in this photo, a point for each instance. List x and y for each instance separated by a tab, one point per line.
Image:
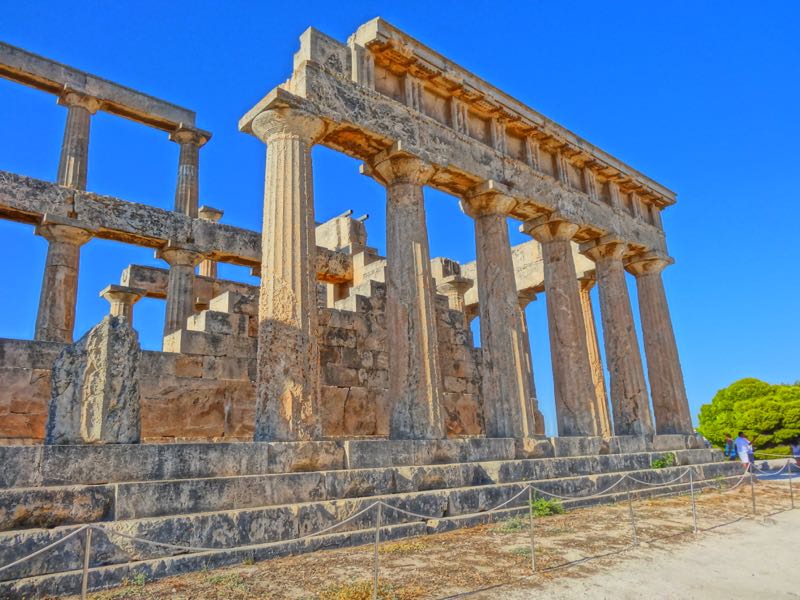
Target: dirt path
707	569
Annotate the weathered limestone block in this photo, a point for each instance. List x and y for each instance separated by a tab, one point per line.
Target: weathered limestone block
95	395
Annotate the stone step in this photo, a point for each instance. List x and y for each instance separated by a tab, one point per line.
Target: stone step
235	303
62	505
184	341
230	528
32	466
100	577
215	322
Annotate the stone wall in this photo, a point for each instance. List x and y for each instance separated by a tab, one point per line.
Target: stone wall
208	392
25	388
354	360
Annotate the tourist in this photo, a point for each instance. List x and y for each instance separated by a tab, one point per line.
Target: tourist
744	448
730	447
795	446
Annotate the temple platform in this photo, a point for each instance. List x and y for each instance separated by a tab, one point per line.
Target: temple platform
251	501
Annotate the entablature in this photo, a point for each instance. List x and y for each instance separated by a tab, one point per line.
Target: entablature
547	170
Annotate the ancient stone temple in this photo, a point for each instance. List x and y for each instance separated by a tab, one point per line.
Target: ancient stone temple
276	410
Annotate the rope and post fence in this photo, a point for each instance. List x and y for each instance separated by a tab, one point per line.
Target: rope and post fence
380	506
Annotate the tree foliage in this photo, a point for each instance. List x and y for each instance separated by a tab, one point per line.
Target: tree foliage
769	413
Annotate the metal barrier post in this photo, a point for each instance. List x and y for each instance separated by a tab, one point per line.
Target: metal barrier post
633	520
694	506
87	549
530	514
375	556
753	488
791	489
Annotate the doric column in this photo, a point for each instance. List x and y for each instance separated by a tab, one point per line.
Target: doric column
59	294
208	267
122	298
188	188
55	319
415	379
182	259
670	404
72	166
288	376
629	402
572	374
596	363
506	386
525	297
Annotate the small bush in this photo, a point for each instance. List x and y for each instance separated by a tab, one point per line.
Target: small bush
543	507
511	525
666	461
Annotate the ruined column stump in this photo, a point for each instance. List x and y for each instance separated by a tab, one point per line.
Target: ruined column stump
95	388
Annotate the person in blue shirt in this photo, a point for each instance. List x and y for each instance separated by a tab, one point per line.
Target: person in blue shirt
730	448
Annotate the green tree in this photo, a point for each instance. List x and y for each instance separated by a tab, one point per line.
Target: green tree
769	413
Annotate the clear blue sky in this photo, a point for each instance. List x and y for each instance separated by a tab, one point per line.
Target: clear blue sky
701	96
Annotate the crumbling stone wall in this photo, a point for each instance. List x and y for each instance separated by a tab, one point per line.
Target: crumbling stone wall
197	395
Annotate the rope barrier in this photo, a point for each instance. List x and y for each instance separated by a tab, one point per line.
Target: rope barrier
45	549
681	476
245	547
529	488
605	491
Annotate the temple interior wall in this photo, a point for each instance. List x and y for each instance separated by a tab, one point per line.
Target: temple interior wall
207	392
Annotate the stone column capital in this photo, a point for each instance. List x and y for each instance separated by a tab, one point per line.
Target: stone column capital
209	213
70	98
395	166
287	122
550	228
184	134
525	297
488	198
453	284
587	281
62	229
604	249
179	255
122	294
647	264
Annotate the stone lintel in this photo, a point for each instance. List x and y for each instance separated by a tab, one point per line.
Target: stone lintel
27	200
209	213
50	76
402	53
363	123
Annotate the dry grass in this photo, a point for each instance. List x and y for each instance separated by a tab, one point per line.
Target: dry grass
466	559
